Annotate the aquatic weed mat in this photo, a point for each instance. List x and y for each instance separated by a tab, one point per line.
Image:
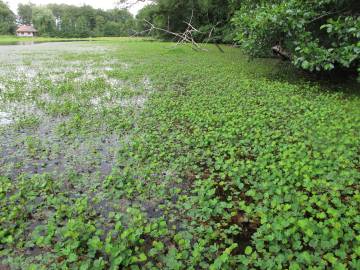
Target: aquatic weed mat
142	156
64	115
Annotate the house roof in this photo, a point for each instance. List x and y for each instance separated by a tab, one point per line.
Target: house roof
26	28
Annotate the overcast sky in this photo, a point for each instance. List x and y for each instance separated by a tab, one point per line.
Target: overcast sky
104	4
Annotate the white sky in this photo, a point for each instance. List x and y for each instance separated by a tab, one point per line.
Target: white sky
103	4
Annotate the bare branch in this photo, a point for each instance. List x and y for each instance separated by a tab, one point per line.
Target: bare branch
181	38
186	37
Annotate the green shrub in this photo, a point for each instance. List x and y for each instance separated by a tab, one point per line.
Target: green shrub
320	35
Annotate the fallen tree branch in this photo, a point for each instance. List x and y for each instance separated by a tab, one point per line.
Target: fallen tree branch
186	37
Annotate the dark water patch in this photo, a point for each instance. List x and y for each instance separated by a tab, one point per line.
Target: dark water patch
40	150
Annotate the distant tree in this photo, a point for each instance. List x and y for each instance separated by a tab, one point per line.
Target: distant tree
89	15
122	16
111	28
122	22
25	13
43	20
82	27
65	17
71	21
7	19
207	16
100	25
148	13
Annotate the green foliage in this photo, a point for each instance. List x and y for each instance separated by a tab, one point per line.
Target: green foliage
25	13
76	22
231	168
270	168
208	16
43	20
320	36
7	20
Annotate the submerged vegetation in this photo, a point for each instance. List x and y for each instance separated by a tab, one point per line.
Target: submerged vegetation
125	154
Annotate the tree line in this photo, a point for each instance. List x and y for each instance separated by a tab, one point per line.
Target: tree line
68	21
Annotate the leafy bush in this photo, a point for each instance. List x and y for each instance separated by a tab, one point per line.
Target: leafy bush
320	35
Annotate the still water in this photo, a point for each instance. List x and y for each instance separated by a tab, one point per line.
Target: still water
32	42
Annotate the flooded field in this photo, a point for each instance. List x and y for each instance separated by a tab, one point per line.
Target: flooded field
130	154
45	91
65	113
35	42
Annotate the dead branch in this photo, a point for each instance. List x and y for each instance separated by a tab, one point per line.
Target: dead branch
186	37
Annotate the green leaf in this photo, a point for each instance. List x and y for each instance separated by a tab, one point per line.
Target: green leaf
305	64
248	250
294	266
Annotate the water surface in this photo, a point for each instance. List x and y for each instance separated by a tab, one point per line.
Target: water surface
34	42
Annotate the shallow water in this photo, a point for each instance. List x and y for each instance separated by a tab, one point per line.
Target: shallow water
56	100
66	112
34	42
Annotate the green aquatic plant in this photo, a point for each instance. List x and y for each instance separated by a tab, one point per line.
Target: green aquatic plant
240	167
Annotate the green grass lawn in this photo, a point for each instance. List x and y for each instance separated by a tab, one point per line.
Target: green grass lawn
125	154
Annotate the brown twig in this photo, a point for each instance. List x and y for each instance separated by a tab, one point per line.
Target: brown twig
186	37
